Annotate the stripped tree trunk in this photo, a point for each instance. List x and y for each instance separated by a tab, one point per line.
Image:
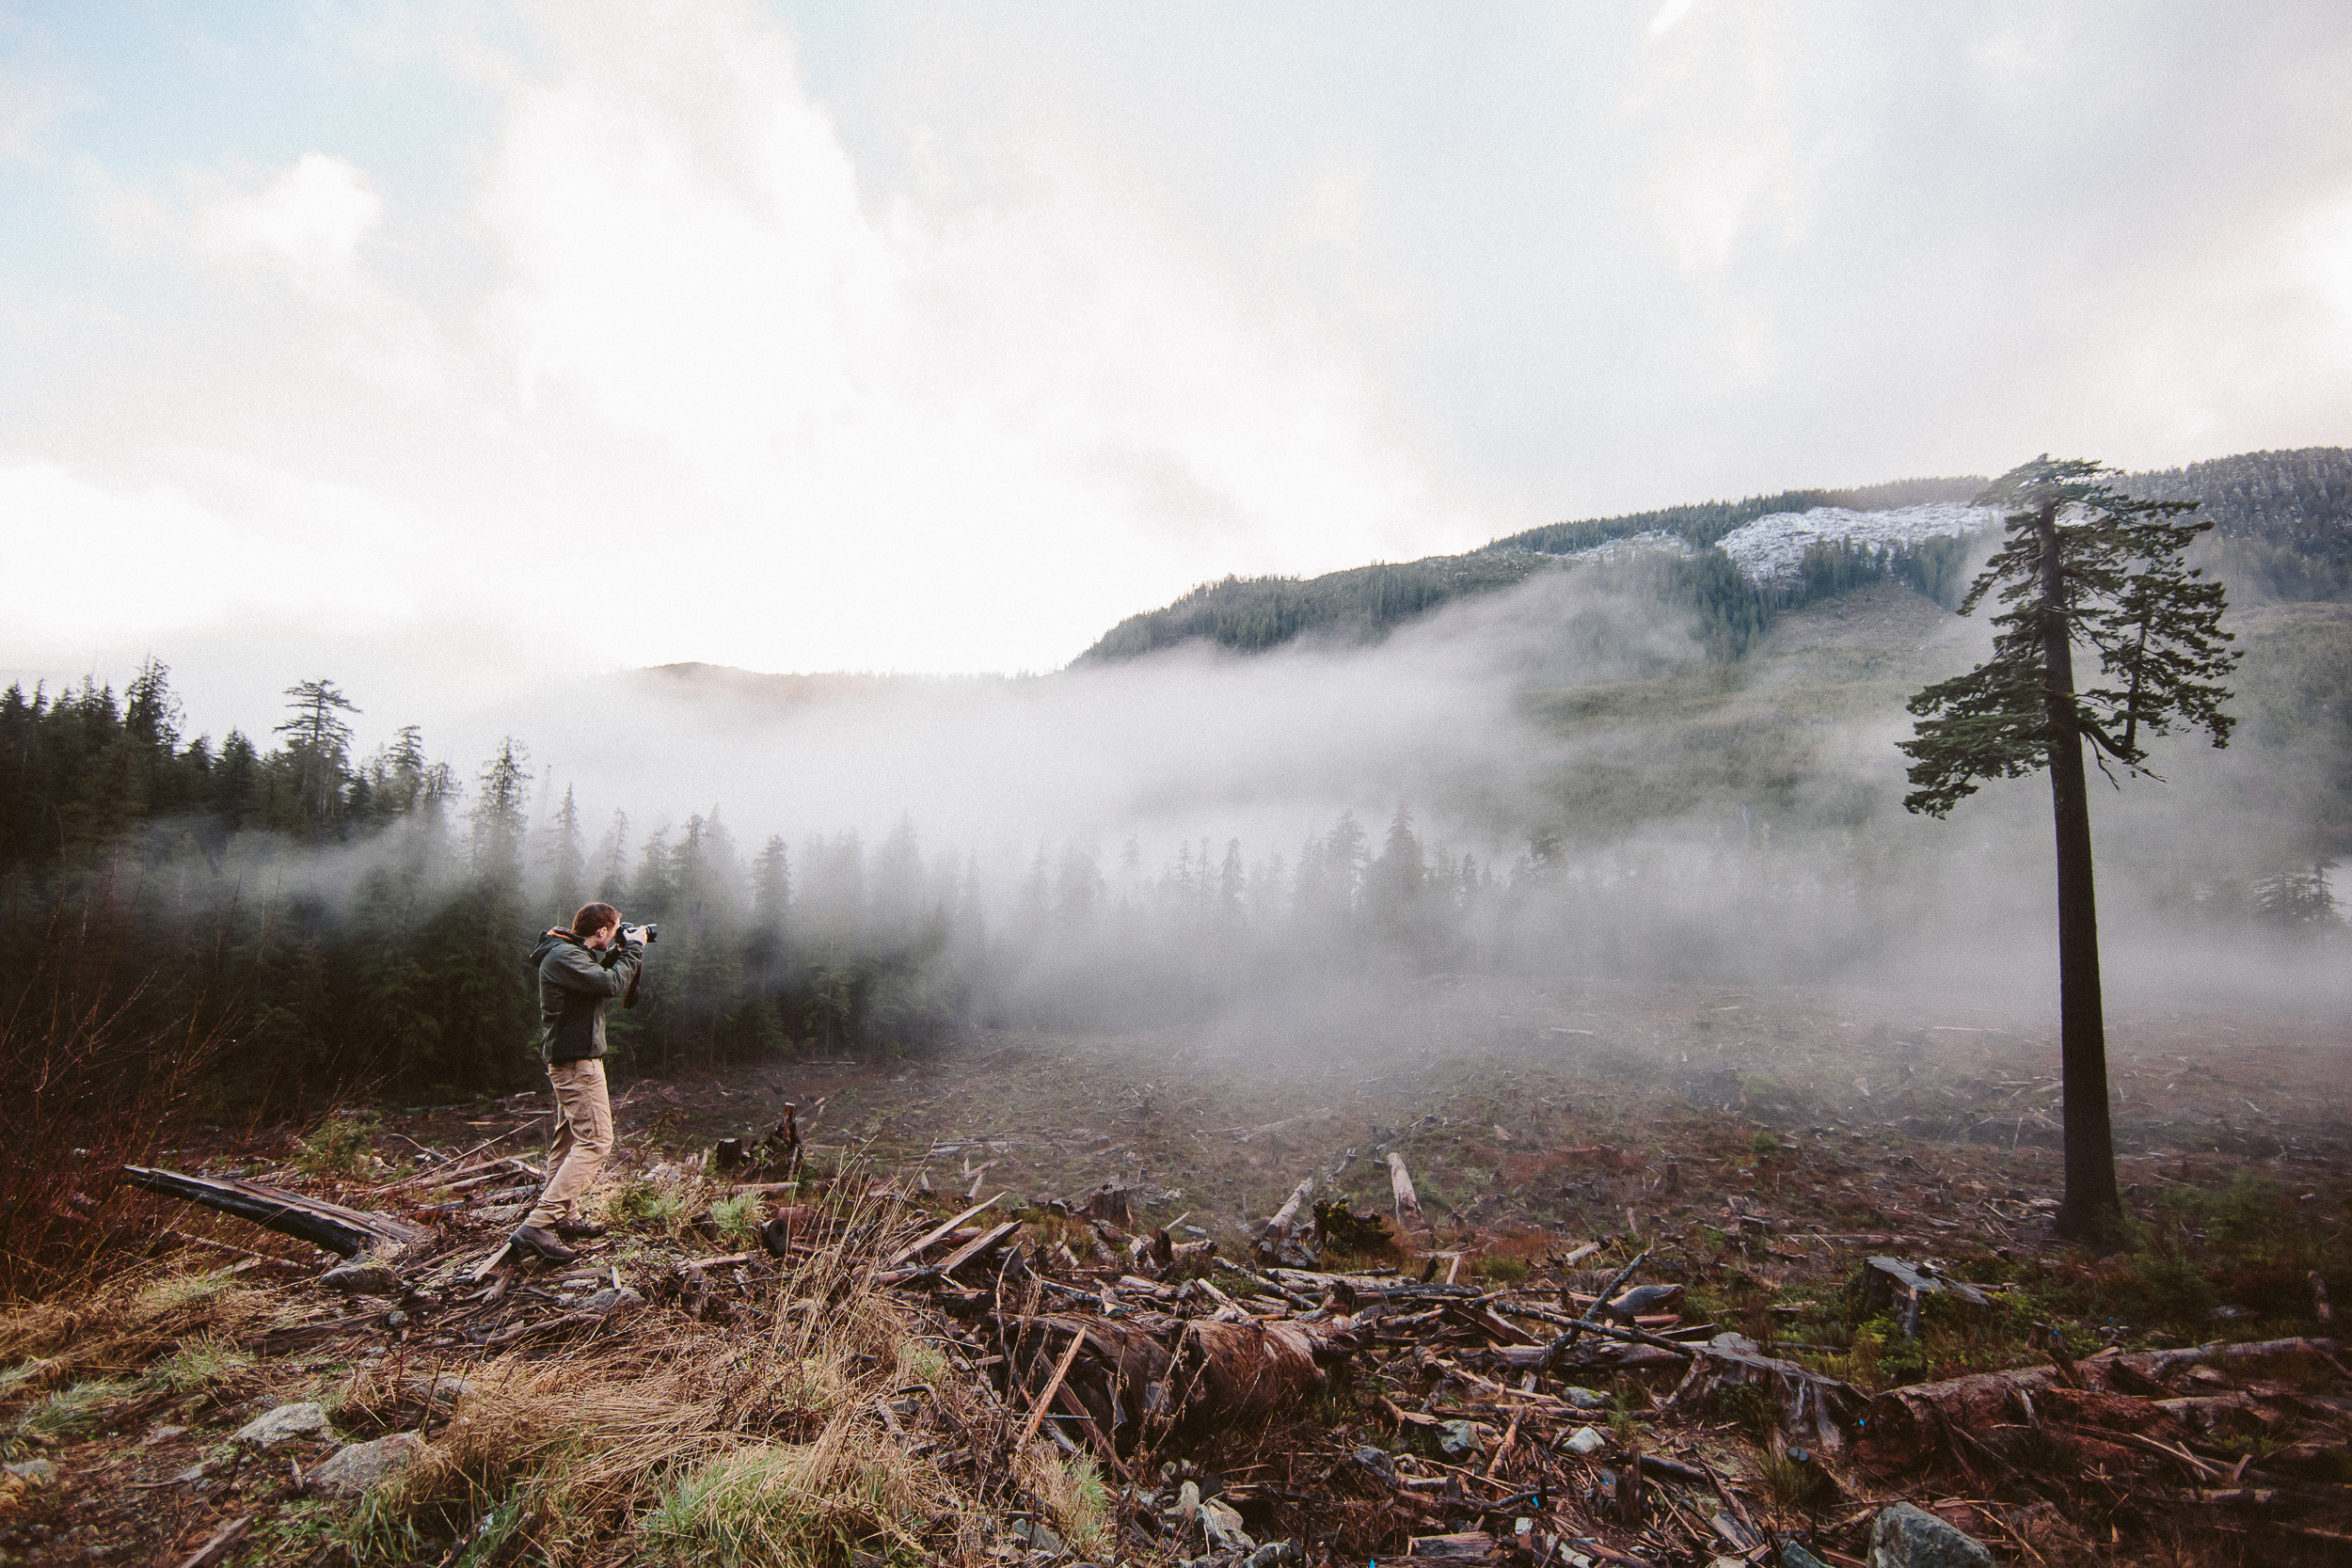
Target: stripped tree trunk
2093	1210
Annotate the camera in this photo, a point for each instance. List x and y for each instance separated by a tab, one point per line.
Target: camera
647	934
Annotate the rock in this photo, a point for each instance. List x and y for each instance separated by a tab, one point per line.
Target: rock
1037	1537
362	1277
33	1472
288	1421
1584	1442
1457	1439
1224	1527
192	1474
610	1300
162	1434
441	1389
1585	1398
1794	1556
363	1465
1378	1462
1907	1537
1645	1298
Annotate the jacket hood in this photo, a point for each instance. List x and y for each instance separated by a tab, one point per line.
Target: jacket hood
555	938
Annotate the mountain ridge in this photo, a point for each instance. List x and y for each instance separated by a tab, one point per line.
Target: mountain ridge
2284	530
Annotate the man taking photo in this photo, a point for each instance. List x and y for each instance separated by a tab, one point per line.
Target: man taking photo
578	969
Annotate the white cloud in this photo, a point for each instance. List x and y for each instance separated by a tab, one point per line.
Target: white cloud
974	337
2327	246
104	564
311	218
1669	15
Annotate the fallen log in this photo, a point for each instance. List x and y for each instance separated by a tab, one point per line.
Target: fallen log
954	1260
347	1232
938	1234
2161	1362
1601	1301
1910	1423
1251	1369
1037	1406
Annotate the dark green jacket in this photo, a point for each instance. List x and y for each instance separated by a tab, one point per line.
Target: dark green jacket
573	985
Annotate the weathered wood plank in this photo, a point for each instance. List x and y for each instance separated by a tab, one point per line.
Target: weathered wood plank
348	1231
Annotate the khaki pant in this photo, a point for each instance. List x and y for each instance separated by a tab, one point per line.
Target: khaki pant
583	1136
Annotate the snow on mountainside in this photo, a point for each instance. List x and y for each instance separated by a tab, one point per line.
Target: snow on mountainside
1771	549
1630	544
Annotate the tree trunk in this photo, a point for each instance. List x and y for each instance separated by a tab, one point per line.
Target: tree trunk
2092	1210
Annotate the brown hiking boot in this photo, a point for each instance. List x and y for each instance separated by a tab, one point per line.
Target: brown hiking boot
530	1238
580	1230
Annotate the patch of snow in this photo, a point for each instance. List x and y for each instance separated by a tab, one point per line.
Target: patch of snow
1771	549
1632	545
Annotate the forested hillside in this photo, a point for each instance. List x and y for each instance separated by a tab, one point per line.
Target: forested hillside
2284	528
328	921
2282	520
356	919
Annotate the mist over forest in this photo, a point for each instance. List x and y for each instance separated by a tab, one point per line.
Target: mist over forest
1573	768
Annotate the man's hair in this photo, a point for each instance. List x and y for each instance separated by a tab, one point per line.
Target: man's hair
593	918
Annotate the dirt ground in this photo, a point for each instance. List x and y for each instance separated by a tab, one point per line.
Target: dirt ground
1488	1087
1756	1143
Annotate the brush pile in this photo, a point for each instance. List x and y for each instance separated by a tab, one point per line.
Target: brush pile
828	1370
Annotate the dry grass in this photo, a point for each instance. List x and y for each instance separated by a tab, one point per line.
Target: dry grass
1073	1494
736	1446
121	1326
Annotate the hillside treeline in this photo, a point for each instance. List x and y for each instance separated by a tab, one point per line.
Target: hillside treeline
340	921
363	920
2283	520
2282	530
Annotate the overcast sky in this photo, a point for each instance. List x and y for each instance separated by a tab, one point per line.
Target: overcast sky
432	348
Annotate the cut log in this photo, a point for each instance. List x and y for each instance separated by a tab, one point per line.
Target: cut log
1401	1189
1110	1203
348	1231
1037	1407
1189	1260
1470	1545
222	1542
1908	1423
1285	1219
1601	1301
976	1245
1892	1282
1251	1369
937	1235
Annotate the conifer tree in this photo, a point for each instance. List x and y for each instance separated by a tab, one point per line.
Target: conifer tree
2081	563
318	745
567	874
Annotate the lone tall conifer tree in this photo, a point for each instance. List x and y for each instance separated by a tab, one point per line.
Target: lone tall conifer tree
320	742
2082	563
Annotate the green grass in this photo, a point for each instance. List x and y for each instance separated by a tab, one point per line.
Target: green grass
72	1411
773	1507
737	1219
180	1291
195	1365
647	1205
337	1148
